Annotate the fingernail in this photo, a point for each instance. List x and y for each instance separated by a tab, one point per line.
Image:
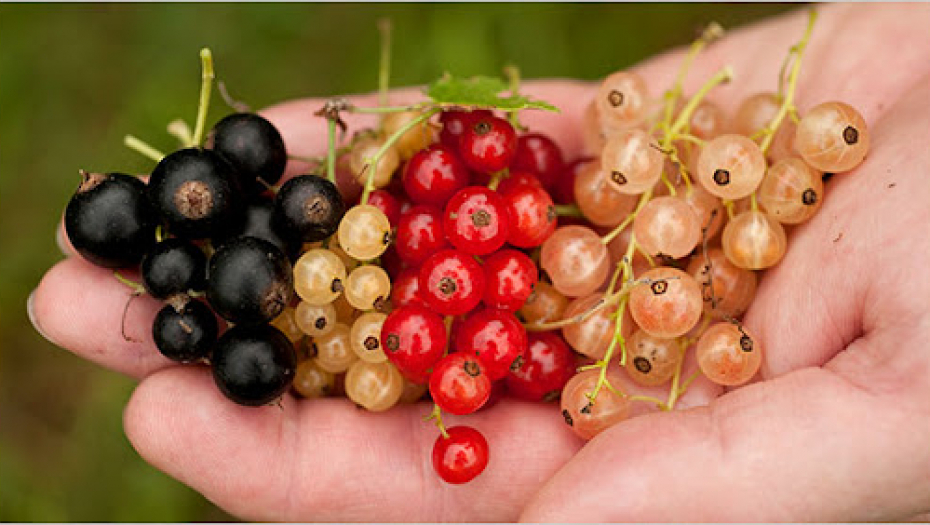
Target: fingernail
30	311
61	241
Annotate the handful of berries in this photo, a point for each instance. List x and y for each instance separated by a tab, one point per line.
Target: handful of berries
453	254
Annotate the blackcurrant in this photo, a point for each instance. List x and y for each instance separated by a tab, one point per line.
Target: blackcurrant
254	146
174	266
249	280
310	207
256	222
196	192
253	365
185	330
109	220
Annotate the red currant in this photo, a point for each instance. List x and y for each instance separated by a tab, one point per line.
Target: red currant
434	174
496	337
454	122
414	339
487	144
538	153
548	363
451	282
459	384
517	178
419	234
405	290
460	457
387	203
476	220
532	216
563	192
509	279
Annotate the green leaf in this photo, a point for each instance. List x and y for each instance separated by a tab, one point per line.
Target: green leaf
482	92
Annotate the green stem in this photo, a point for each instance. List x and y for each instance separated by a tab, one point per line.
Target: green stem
628	220
372	163
331	152
137	288
568	210
386	109
436	416
384	67
497	177
206	85
180	130
144	148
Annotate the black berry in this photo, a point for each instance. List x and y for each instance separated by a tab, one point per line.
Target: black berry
310	207
185	330
254	146
253	365
174	266
249	280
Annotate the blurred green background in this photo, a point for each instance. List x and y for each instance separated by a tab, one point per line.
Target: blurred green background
75	78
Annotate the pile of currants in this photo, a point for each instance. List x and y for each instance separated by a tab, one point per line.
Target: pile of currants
454	255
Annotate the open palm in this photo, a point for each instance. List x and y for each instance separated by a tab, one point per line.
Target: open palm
835	430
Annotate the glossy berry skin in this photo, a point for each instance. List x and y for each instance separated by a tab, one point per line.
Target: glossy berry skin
455	121
174	266
476	220
451	282
256	221
488	144
110	221
548	364
459	384
532	216
308	207
419	234
249	281
509	279
387	203
414	339
517	178
539	154
405	288
254	146
253	365
196	192
185	330
434	174
494	336
462	456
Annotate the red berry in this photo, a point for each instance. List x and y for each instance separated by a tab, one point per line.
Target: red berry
419	234
494	336
434	174
532	216
488	144
563	192
387	203
405	289
391	262
455	121
451	282
538	153
459	384
517	178
460	457
509	279
548	363
476	221
414	339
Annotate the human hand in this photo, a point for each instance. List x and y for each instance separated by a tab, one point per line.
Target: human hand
324	460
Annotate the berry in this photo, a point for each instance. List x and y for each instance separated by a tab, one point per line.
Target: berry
414	339
548	363
249	281
451	282
419	234
462	456
667	303
254	146
459	384
405	290
455	121
433	175
509	279
319	276
494	336
832	137
532	215
364	232
196	191
375	386
308	207
387	203
185	330
109	220
576	260
488	144
539	154
174	266
256	221
476	220
563	191
728	355
253	365
517	178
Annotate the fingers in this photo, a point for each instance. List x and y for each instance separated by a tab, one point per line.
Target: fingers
805	447
81	307
326	460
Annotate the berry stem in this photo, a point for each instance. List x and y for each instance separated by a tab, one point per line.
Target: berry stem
675	392
497	177
568	210
561	323
711	32
206	85
605	362
372	163
385	109
722	76
137	288
512	73
436	416
331	150
384	66
628	220
787	105
179	129
142	147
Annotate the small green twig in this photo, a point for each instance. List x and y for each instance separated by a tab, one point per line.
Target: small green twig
384	66
436	417
180	130
206	85
142	147
331	150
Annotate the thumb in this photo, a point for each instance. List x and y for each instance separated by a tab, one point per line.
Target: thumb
808	446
